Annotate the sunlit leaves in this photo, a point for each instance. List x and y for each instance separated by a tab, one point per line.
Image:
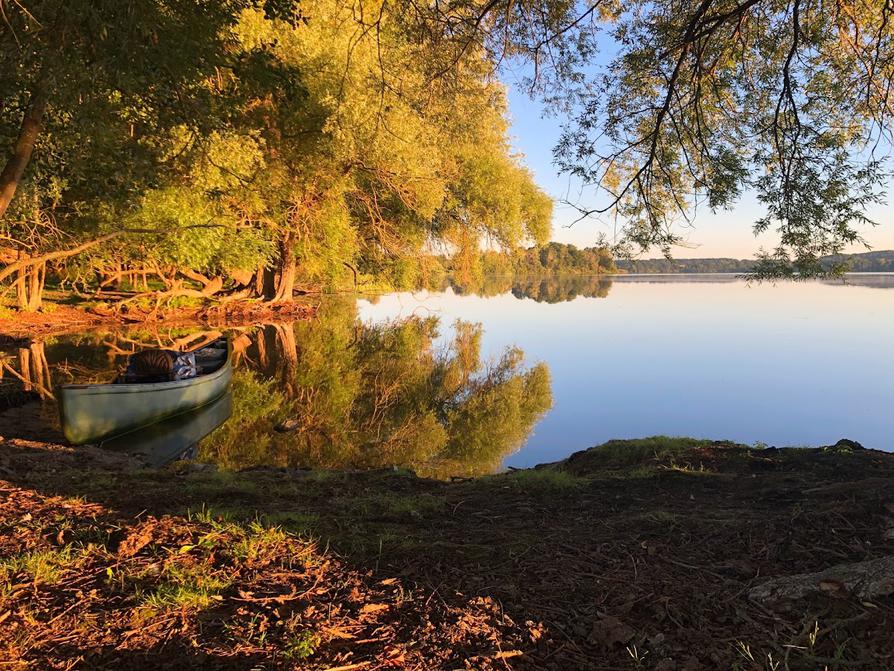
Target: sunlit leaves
706	100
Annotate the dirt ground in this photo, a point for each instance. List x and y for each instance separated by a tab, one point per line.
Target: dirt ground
664	554
59	319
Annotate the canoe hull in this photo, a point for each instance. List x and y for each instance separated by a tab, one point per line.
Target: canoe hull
95	412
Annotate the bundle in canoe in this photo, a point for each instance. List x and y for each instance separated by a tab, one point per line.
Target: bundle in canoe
95	412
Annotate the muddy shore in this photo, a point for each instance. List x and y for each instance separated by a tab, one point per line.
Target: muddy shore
666	554
61	319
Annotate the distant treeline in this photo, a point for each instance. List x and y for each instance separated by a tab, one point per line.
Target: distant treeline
551	259
866	262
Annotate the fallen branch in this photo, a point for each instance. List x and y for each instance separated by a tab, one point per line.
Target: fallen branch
40	388
865	580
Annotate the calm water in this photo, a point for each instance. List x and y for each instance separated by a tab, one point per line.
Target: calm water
706	356
521	373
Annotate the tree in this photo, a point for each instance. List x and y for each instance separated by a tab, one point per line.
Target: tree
703	100
92	96
321	149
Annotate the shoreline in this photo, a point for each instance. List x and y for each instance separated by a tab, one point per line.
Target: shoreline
661	553
61	319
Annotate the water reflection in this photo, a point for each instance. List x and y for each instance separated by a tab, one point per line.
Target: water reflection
328	393
541	289
334	393
174	438
560	289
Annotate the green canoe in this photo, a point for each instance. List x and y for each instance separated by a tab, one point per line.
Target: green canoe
94	412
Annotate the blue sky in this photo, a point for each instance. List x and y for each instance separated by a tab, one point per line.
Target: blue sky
726	233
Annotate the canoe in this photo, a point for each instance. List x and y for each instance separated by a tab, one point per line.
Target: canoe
94	412
168	440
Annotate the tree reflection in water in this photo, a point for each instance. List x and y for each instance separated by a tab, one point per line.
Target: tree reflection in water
552	289
336	393
330	392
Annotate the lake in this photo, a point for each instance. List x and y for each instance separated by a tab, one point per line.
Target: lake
524	372
707	356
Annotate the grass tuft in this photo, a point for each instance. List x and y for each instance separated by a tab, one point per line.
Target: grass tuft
543	479
185	587
44	567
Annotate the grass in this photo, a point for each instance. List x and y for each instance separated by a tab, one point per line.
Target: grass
259	543
301	645
293	521
44	567
643	456
392	506
247	554
543	479
185	587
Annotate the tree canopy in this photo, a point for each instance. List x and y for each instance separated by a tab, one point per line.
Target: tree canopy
247	145
696	102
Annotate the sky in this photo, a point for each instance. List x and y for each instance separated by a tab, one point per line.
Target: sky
726	233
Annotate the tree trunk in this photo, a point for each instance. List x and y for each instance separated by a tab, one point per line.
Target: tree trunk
263	355
25	368
40	370
34	371
285	285
263	283
29	285
22	149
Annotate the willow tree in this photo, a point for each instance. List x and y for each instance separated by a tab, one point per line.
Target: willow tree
91	93
376	158
698	102
319	146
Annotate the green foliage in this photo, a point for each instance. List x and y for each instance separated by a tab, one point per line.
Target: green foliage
203	239
552	273
557	258
43	567
230	137
562	288
543	480
703	101
633	454
301	645
245	437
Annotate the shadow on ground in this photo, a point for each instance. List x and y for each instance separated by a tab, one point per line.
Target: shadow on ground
634	555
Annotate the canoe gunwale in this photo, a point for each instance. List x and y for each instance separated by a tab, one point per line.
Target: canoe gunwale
143	387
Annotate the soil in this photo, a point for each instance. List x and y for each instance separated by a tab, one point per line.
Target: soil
61	319
632	555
